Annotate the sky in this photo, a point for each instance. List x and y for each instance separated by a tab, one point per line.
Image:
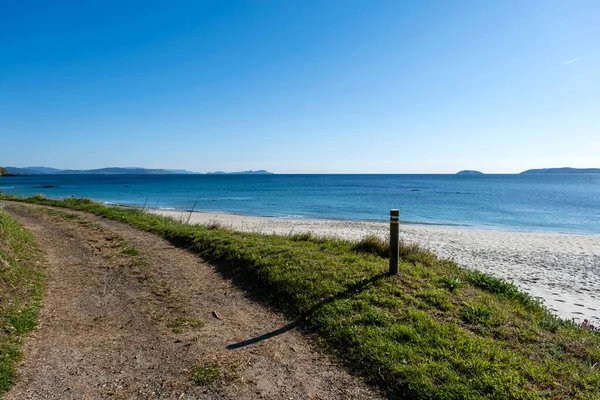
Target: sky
301	86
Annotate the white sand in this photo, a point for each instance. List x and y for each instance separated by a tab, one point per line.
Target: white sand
561	269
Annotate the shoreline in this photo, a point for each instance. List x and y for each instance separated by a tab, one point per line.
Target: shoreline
232	219
561	269
293	217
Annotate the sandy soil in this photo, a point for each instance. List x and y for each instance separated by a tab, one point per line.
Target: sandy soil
563	270
106	325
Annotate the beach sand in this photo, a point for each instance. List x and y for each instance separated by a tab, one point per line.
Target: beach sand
563	270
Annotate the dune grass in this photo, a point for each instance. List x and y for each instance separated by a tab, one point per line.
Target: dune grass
21	284
435	331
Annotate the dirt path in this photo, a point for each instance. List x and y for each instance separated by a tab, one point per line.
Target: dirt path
127	315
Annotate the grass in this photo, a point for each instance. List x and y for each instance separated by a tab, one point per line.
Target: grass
180	324
206	373
130	252
435	331
21	284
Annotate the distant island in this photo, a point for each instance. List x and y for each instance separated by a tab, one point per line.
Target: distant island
469	172
112	171
564	170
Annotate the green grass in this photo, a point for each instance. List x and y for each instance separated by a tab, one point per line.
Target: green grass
206	374
435	331
21	285
180	324
130	252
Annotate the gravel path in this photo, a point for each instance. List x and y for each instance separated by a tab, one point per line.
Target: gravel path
118	316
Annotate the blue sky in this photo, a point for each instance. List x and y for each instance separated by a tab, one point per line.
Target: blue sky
301	86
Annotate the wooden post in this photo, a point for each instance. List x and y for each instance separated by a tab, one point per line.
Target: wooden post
394	240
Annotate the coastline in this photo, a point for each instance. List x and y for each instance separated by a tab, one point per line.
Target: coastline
563	270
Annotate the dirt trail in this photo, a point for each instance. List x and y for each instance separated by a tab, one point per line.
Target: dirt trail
122	319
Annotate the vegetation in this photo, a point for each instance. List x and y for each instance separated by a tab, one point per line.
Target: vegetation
3	171
180	324
206	374
20	293
435	331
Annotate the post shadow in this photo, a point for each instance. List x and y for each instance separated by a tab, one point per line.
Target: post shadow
350	290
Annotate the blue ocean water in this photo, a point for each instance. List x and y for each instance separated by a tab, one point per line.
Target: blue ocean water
550	203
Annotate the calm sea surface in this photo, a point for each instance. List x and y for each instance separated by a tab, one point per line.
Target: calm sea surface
550	203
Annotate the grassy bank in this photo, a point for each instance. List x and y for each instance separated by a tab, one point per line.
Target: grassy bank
20	293
435	331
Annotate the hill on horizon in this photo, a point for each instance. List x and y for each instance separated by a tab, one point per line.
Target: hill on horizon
563	170
117	171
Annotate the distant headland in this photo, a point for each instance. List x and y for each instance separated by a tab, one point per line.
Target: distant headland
113	171
564	170
4	172
469	172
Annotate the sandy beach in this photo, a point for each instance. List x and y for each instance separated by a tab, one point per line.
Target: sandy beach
563	270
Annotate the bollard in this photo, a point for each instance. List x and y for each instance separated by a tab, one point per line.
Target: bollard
394	240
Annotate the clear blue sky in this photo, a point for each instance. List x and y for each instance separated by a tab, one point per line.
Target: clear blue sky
301	86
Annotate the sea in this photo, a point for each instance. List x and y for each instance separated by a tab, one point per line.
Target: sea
560	203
